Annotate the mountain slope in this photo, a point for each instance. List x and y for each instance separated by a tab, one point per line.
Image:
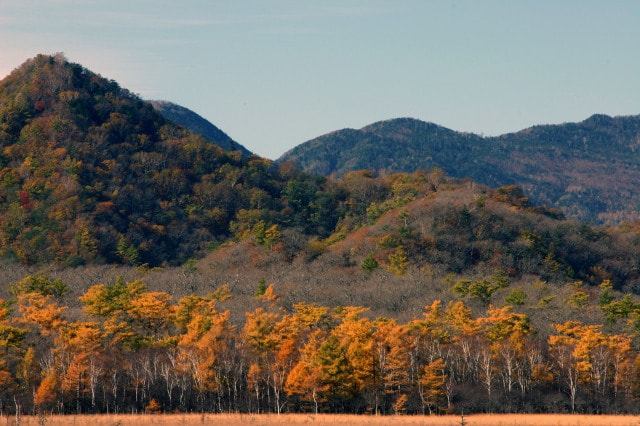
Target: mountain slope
589	169
91	173
197	124
402	144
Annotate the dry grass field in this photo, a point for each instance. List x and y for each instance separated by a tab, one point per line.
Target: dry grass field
326	419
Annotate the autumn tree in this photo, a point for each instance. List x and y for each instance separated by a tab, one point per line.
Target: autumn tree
432	385
394	352
259	334
80	357
585	356
12	340
355	336
306	377
506	332
398	261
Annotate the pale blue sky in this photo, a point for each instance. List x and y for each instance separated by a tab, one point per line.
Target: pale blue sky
276	73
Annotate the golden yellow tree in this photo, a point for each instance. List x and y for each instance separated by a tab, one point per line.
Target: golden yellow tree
206	333
393	353
432	385
42	312
306	379
47	391
355	337
79	354
578	351
506	333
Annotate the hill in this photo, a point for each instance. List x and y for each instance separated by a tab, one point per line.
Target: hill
488	301
197	124
89	173
145	268
588	170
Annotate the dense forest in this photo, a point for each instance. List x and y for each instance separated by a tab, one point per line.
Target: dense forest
136	350
519	311
145	268
90	172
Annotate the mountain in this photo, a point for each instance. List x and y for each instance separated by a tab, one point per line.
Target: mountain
197	124
590	170
126	240
90	173
403	145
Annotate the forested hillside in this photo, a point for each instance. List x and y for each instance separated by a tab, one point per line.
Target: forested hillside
145	268
589	170
91	173
439	296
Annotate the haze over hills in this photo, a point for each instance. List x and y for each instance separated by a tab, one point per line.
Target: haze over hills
590	170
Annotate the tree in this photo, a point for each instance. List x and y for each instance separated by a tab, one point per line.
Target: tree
127	251
40	284
79	355
40	311
207	336
398	261
506	333
131	315
369	263
336	372
395	357
262	287
579	352
356	339
306	377
47	391
432	384
260	334
151	315
11	337
482	290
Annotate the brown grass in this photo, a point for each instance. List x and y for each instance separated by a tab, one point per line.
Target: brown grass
327	419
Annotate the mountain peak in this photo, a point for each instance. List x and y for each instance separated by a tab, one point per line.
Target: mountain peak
89	172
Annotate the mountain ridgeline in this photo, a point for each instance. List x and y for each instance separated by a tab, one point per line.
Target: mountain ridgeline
197	124
590	170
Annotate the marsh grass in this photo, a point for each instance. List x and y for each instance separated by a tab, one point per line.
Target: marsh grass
324	419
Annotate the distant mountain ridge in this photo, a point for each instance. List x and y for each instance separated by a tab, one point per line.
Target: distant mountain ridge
195	123
590	169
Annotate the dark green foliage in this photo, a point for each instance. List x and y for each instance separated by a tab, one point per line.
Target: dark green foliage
482	290
517	297
262	287
370	263
620	309
41	284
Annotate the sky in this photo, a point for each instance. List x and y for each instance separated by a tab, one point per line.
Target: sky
273	74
